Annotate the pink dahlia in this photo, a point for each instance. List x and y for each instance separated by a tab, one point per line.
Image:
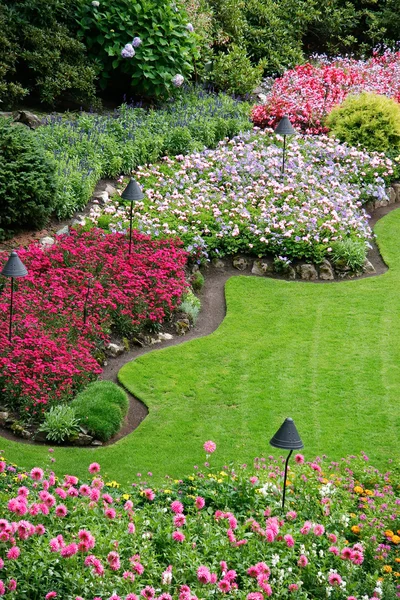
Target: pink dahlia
209	447
94	468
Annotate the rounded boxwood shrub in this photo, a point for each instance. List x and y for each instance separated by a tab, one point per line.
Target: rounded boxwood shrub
371	120
27	180
101	408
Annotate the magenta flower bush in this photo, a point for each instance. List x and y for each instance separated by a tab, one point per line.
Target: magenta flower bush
53	352
234	199
308	92
218	533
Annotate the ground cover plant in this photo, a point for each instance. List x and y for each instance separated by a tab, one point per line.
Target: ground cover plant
220	531
308	92
326	355
234	199
77	293
92	146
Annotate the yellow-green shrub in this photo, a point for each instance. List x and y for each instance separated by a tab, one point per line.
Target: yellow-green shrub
371	120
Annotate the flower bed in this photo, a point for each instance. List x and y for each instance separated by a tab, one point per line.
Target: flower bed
53	352
234	199
308	92
221	532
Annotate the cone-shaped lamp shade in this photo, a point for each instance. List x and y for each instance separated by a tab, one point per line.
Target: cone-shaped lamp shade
287	437
284	127
14	267
132	192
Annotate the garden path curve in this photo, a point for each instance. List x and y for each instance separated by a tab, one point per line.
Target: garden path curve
213	310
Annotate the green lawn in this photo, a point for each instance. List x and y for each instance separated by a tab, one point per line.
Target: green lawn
327	355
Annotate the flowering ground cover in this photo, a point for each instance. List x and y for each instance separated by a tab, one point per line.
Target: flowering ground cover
234	199
218	532
308	92
326	355
77	293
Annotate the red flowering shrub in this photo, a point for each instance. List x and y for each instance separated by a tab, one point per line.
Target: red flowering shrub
308	92
52	353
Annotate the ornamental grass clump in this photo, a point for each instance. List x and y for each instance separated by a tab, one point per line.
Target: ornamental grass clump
101	408
220	531
368	120
53	352
233	199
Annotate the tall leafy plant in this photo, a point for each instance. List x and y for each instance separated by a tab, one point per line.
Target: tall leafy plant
149	43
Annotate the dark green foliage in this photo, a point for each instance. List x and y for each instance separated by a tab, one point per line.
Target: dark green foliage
234	73
168	48
40	54
27	180
371	120
355	26
101	408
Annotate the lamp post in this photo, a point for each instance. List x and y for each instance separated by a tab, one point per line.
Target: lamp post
287	438
133	193
284	128
14	267
89	285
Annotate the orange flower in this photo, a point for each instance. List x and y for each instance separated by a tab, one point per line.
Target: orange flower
396	574
389	533
387	569
396	539
358	489
355	529
369	492
397	559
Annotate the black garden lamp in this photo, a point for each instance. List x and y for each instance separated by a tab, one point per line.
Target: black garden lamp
287	437
13	268
284	128
133	193
90	283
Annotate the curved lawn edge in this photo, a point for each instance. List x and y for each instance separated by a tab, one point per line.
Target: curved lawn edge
134	453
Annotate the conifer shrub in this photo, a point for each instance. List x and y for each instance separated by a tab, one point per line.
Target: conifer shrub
370	120
27	180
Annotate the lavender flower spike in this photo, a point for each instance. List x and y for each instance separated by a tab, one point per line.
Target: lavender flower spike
128	51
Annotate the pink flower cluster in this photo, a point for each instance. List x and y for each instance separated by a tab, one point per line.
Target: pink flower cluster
308	92
52	354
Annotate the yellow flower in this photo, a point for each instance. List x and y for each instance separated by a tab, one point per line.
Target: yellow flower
219	480
125	496
396	574
167	491
191	478
176	480
223	474
369	492
358	489
353	515
324	480
355	529
387	569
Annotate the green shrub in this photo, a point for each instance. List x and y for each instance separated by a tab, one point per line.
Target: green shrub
101	408
371	120
191	306
52	67
60	423
27	180
178	141
167	48
349	253
233	72
197	281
